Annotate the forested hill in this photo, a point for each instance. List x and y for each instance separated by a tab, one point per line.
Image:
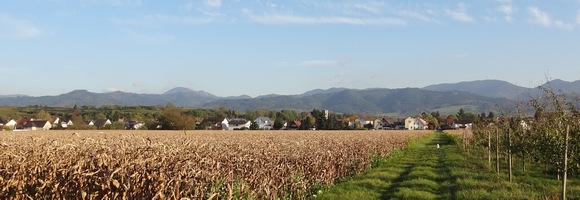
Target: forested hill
372	101
503	89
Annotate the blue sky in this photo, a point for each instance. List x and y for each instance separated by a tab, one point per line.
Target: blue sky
256	47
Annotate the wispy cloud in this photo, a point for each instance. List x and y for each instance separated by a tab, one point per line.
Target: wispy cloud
17	28
578	17
213	3
507	9
417	15
132	3
162	19
275	18
326	62
126	2
372	6
460	13
542	18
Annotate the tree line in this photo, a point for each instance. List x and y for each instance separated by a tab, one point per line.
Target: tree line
170	117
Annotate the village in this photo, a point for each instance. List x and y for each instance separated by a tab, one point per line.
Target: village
336	122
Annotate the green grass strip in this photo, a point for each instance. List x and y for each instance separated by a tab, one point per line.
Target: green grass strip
422	171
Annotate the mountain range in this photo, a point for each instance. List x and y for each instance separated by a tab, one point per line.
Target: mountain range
504	89
474	96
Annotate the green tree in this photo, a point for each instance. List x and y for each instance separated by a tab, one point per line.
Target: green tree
307	123
100	116
117	125
137	117
461	114
254	126
15	116
78	120
174	119
431	120
321	122
357	126
334	123
278	124
453	117
42	115
491	116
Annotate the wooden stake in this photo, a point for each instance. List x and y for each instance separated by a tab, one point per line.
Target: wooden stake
489	148
524	155
565	179
510	155
497	150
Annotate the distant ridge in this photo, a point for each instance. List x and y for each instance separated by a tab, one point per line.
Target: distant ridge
407	101
480	95
487	88
13	95
564	86
504	89
321	91
183	90
178	90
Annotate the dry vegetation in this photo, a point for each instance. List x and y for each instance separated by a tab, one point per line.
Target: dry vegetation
196	165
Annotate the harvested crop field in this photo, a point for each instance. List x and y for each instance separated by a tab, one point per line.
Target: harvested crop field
177	164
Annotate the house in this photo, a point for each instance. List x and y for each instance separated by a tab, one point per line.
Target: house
55	121
416	123
134	125
264	123
100	123
364	121
398	125
66	123
383	124
23	121
462	124
215	123
238	124
10	123
38	125
294	125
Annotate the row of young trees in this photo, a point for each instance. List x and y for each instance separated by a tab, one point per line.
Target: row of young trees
550	138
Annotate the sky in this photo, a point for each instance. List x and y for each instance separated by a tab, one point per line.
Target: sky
259	47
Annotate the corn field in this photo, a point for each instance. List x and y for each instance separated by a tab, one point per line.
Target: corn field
180	165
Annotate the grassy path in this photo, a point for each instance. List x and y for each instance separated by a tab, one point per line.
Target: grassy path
424	172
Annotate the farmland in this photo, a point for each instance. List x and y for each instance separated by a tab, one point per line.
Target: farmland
193	164
423	171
